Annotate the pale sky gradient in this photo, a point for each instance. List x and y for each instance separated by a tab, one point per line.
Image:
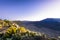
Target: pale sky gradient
29	10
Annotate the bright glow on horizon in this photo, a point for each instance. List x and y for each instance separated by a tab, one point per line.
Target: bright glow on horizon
51	10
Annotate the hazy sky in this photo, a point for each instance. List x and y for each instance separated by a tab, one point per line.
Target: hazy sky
31	10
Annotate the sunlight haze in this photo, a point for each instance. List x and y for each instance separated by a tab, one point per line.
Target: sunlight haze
29	10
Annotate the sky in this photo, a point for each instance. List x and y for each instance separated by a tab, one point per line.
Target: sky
30	10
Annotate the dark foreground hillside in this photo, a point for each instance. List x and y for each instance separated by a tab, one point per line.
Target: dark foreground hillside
11	31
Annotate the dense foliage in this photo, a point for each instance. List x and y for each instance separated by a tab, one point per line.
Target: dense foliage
11	31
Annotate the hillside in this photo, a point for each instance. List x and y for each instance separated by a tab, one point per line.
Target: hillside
11	31
49	26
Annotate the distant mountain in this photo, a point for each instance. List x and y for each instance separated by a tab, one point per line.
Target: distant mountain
50	23
50	26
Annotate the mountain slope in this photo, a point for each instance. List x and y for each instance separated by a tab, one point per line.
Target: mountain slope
11	31
50	26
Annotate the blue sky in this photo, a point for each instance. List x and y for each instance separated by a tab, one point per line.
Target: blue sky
31	10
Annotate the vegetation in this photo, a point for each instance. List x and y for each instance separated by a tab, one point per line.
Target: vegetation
11	31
